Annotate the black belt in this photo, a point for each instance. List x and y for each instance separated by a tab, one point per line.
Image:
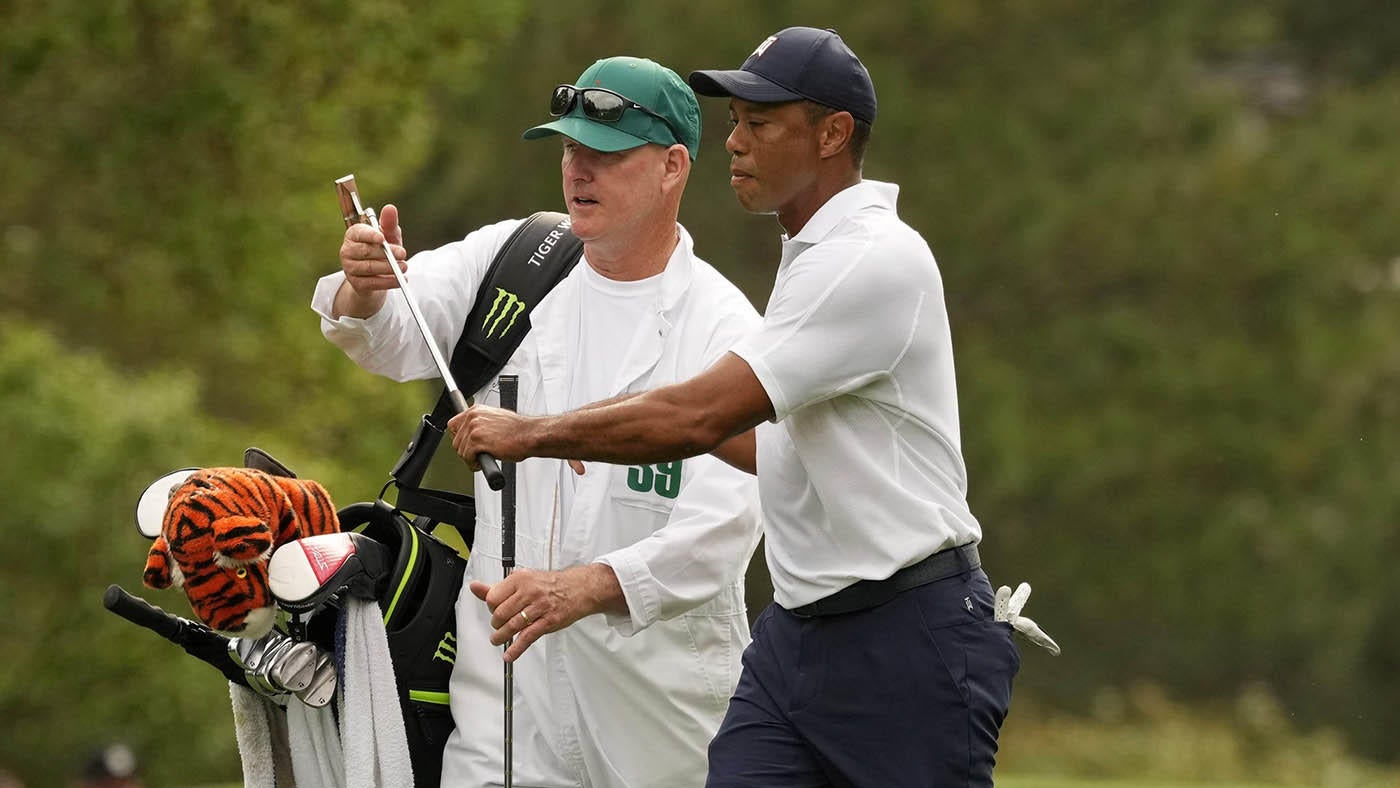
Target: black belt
869	593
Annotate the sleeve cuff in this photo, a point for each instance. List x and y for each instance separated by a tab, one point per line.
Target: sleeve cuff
352	334
766	379
643	606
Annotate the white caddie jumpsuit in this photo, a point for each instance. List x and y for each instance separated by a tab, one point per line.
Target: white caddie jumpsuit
610	701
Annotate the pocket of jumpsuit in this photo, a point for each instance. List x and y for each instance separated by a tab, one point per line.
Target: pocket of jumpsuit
718	632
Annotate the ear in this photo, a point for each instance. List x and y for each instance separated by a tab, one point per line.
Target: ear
239	539
835	133
161	571
675	168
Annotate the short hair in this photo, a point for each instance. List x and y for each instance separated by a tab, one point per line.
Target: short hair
860	134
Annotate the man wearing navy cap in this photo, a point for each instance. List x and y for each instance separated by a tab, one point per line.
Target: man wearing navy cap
629	609
880	662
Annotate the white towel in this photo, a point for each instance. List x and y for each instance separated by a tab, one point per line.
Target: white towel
262	743
317	758
371	723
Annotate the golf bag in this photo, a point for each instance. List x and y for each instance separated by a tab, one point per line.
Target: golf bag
391	555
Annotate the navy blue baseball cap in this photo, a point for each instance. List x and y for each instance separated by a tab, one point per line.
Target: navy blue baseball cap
797	63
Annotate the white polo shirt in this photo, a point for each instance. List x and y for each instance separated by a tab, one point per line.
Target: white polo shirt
863	473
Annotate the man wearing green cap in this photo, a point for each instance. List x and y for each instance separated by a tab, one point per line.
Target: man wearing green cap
630	697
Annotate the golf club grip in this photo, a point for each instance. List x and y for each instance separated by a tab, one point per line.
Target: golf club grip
490	468
510	400
139	611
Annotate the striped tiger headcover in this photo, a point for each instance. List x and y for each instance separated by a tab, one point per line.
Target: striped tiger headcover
219	531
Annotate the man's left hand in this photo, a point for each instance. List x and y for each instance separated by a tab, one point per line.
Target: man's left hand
491	430
549	601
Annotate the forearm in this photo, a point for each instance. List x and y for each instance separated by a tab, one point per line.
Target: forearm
737	451
349	302
646	428
602	593
669	423
603	403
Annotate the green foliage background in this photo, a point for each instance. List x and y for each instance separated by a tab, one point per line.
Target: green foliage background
1166	229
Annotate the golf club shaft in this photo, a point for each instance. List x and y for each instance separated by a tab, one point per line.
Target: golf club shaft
196	639
489	467
142	613
510	393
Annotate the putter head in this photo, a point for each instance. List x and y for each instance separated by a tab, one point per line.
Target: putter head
308	573
349	197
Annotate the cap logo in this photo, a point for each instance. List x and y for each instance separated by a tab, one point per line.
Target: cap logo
764	46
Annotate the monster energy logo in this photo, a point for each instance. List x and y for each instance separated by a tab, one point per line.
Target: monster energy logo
447	649
505	302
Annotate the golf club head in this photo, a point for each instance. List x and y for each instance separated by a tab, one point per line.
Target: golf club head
307	573
275	664
248	653
295	666
321	689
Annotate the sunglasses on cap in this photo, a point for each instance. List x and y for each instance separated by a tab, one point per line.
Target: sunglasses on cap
599	104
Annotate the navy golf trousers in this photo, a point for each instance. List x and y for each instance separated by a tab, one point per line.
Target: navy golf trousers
910	693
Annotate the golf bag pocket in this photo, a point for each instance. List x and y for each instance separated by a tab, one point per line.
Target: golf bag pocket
419	604
428	722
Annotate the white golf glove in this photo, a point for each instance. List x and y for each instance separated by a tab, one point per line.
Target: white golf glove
1008	609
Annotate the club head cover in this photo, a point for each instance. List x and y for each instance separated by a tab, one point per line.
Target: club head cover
257	459
150	507
307	573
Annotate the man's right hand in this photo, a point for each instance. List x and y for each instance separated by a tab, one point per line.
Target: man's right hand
366	267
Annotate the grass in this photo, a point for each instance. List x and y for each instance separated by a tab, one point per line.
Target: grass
1022	781
1140	738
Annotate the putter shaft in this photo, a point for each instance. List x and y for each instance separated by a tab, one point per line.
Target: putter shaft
352	211
510	393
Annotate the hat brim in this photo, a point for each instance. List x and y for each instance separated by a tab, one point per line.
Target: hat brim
598	136
740	84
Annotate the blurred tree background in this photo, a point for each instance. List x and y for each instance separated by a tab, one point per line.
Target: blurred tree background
1167	232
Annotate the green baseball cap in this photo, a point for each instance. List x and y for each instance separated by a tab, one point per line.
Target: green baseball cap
645	82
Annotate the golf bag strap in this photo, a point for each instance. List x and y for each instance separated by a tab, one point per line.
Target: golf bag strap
443	506
536	257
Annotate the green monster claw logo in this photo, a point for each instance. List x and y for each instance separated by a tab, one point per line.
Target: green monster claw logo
447	649
505	301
